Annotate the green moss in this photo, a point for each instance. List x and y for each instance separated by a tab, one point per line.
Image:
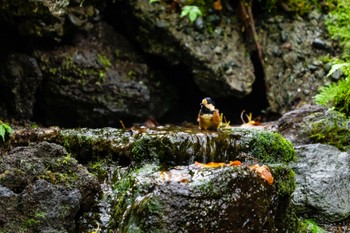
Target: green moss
104	61
310	226
61	171
301	7
333	130
284	178
270	147
126	191
35	220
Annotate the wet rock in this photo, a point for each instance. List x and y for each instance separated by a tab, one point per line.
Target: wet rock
322	177
191	199
20	77
291	125
43	189
48	19
98	81
316	124
218	74
290	46
180	146
36	18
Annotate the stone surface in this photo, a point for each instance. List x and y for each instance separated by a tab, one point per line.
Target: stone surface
316	124
20	77
98	81
193	199
43	189
180	146
322	175
49	19
292	49
292	125
215	52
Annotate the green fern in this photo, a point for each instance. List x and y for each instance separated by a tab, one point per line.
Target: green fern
336	95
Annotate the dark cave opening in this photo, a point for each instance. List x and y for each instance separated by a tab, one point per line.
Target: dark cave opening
186	106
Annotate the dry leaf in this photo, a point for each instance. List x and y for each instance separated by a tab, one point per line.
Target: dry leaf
235	163
210	165
264	172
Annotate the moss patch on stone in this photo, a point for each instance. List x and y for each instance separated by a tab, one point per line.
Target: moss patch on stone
332	129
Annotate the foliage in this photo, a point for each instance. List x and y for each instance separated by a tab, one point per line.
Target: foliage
153	1
336	96
300	7
311	226
5	129
338	25
193	12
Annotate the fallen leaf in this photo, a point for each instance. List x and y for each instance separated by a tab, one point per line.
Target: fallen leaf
210	165
250	122
235	163
185	181
217	5
264	172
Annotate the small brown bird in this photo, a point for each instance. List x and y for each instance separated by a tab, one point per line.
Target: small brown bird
208	116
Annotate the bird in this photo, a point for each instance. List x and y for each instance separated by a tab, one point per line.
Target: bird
208	116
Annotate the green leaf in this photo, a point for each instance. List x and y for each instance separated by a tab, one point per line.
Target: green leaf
335	67
153	1
185	11
192	16
8	129
192	11
2	132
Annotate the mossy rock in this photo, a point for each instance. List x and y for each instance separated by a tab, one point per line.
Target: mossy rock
179	146
44	189
330	127
192	199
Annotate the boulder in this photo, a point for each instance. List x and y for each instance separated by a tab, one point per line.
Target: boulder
213	47
316	124
193	199
98	81
322	175
43	189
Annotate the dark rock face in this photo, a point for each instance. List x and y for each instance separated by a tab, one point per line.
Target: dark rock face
98	81
39	18
19	79
322	176
219	60
292	67
42	189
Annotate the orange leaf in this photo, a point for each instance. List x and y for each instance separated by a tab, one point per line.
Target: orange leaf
185	181
210	165
264	172
235	163
217	5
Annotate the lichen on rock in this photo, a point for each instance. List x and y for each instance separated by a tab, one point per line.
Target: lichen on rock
43	189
